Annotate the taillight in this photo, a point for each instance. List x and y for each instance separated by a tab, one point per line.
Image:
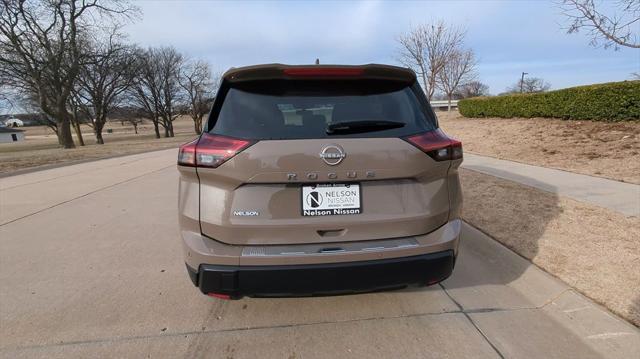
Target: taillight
437	145
323	71
210	150
187	154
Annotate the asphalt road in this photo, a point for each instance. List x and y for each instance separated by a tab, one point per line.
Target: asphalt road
91	266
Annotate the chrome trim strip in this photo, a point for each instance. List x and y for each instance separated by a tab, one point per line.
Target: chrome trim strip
319	248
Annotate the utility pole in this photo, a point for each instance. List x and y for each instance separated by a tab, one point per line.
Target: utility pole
522	81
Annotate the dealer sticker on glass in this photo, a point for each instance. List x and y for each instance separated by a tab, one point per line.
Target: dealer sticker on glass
331	199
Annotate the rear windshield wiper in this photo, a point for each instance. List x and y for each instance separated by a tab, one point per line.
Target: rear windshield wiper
348	127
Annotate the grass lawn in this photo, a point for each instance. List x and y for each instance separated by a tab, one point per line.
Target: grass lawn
41	145
610	150
592	249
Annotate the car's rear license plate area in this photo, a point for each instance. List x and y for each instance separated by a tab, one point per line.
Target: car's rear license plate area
331	199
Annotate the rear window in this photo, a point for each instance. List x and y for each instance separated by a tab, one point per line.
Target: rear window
304	110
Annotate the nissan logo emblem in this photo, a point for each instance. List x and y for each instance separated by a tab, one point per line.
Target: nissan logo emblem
332	154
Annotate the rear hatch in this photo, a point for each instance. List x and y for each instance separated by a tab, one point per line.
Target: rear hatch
321	155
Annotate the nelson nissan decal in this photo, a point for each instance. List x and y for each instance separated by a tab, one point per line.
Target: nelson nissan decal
331	199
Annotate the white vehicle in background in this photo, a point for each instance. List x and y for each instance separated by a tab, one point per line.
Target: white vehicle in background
13	122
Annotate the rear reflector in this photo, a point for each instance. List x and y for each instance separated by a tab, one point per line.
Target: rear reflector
219	296
210	150
323	71
437	145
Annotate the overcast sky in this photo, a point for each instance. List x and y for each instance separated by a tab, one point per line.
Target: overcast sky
508	37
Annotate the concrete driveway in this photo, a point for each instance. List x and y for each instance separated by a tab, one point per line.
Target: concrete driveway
91	266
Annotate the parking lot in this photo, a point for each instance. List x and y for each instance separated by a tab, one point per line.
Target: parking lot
91	266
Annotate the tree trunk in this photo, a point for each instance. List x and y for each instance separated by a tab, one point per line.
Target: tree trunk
135	127
99	139
425	82
64	132
76	127
155	127
449	104
197	124
101	120
60	141
64	126
165	125
171	129
432	87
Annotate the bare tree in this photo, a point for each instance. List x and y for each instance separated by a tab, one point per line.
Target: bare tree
197	83
156	89
145	91
171	61
134	121
473	89
107	74
128	114
608	30
426	49
459	68
529	85
40	49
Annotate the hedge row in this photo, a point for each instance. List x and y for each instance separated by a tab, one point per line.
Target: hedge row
615	101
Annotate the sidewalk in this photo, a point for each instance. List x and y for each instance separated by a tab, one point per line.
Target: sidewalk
617	196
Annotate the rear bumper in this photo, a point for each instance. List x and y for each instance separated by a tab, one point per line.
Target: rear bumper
323	279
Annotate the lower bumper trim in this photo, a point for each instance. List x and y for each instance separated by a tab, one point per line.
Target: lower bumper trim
323	279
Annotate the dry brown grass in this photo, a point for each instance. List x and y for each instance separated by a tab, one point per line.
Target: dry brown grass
41	145
592	249
610	150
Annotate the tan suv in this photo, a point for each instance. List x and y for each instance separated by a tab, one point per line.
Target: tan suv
319	180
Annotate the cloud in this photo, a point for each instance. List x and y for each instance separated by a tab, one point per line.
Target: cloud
508	37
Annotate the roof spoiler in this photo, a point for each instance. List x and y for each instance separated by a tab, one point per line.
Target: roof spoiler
319	72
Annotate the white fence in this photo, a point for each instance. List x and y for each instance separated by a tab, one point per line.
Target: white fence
443	104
